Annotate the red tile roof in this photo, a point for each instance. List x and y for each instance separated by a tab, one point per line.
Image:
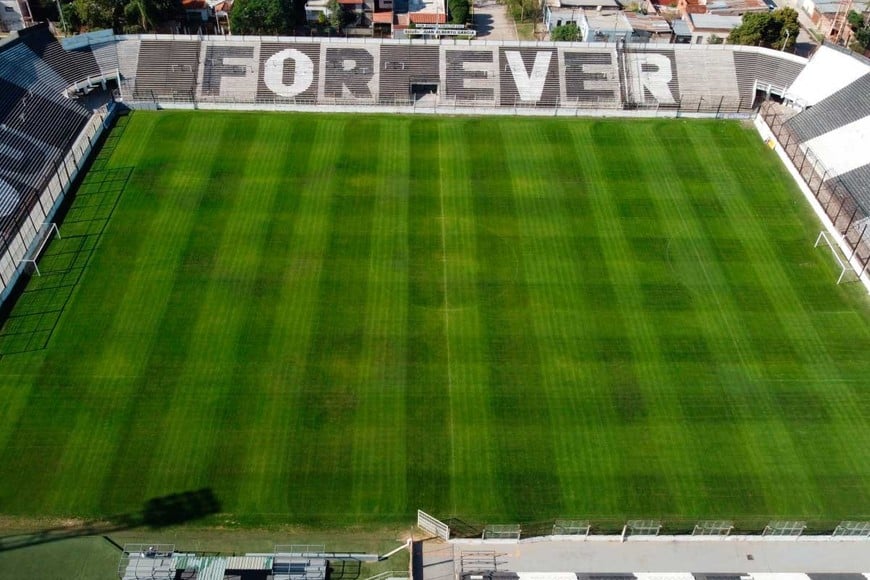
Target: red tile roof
383	17
428	18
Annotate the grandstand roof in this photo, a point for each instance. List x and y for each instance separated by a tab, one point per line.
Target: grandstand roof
836	130
828	71
857	182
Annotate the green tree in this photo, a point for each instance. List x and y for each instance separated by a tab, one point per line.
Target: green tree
856	20
150	13
713	39
787	27
770	29
459	11
71	20
524	10
336	14
566	33
861	28
262	17
96	14
862	39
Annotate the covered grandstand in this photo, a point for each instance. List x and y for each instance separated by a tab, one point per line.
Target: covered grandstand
258	72
827	142
54	96
45	137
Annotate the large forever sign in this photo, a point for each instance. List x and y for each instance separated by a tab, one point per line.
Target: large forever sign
487	75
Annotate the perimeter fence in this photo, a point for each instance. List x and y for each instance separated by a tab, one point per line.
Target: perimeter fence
839	203
53	185
767	527
686	105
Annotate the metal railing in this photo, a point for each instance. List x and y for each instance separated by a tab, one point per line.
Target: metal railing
839	203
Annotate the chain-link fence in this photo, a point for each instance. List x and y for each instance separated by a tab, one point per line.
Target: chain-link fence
52	184
754	526
839	203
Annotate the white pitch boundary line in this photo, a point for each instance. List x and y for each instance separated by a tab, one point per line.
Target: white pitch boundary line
446	319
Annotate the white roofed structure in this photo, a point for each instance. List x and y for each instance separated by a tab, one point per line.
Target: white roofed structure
828	71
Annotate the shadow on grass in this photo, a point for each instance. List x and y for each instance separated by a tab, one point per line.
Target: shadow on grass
158	512
30	315
344	569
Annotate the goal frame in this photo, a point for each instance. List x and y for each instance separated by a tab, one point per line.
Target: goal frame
43	235
843	262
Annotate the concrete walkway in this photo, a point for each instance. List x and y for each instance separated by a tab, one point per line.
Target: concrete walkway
736	554
492	21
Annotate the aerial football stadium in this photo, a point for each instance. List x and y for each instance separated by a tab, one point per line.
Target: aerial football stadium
335	281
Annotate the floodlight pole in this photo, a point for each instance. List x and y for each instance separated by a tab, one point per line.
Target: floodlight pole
62	19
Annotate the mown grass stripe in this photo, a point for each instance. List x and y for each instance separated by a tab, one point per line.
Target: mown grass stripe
378	455
636	324
473	460
428	444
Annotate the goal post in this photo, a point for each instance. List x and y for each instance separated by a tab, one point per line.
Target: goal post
853	530
784	528
433	525
842	261
502	532
571	528
40	240
713	528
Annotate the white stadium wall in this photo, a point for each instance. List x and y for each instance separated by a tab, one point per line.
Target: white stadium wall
466	73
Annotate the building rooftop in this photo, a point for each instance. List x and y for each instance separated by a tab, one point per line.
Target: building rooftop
607	20
426	7
724	7
736	6
648	22
681	27
585	3
566	12
714	22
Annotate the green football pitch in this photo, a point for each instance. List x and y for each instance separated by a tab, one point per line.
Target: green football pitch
335	320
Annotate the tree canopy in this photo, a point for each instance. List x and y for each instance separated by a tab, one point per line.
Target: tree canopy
566	33
262	17
777	29
96	14
861	27
127	15
459	11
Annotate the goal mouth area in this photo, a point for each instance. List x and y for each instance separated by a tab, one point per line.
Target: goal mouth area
850	270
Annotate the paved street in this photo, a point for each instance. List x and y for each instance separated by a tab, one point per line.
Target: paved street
493	22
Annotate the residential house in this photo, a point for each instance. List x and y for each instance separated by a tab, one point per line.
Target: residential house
605	26
707	26
14	15
649	28
561	12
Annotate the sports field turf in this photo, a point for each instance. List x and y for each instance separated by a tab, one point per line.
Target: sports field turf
337	319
